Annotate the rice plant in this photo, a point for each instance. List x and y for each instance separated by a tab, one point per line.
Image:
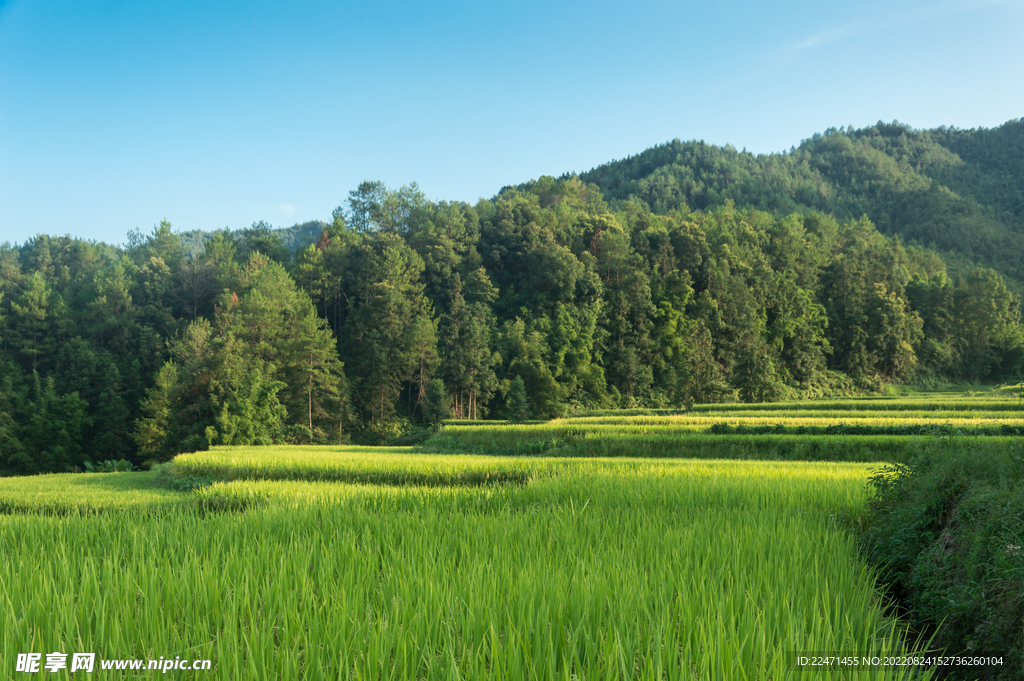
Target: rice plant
85	493
628	569
710	544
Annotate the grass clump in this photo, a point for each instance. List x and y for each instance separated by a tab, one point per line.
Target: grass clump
948	529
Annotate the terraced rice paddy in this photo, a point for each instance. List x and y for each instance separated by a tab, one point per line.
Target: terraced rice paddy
620	569
84	493
399	563
883	429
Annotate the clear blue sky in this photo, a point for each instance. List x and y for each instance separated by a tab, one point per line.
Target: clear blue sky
115	115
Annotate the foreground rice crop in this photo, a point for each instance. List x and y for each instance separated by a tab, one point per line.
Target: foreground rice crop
625	569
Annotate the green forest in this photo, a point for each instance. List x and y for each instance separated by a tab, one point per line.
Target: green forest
687	274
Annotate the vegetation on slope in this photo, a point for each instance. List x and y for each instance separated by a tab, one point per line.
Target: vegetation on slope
542	301
959	191
948	530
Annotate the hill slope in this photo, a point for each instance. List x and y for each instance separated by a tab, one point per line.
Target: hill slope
958	191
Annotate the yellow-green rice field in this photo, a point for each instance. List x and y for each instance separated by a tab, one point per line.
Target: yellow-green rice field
710	544
561	569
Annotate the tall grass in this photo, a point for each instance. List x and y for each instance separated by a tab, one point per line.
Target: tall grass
602	570
591	559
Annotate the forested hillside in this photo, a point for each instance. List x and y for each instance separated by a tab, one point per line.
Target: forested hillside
545	299
262	235
959	191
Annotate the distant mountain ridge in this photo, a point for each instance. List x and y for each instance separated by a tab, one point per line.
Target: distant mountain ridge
293	238
958	191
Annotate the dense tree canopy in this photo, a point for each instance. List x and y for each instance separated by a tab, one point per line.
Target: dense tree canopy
686	274
958	191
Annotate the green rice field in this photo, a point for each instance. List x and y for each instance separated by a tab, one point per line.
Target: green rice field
682	555
607	569
868	429
85	493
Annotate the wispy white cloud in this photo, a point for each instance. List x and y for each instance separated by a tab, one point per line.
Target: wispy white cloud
779	57
896	19
286	208
827	36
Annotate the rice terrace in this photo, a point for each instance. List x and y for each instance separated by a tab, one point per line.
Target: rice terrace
494	341
715	543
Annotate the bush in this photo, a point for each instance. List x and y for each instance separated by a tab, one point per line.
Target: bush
948	532
109	466
184	483
411	438
378	435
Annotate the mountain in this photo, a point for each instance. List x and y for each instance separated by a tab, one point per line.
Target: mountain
960	192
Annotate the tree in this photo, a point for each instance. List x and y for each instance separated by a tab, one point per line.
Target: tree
702	380
163	243
987	318
13	457
278	325
261	238
517	403
92	374
435	405
153	430
467	364
933	300
380	331
893	331
423	360
110	310
52	433
384	307
796	326
32	324
373	207
524	350
194	288
265	371
250	412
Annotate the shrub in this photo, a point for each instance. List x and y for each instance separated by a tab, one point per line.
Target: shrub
948	531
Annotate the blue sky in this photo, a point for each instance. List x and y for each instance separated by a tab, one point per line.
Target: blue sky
115	115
